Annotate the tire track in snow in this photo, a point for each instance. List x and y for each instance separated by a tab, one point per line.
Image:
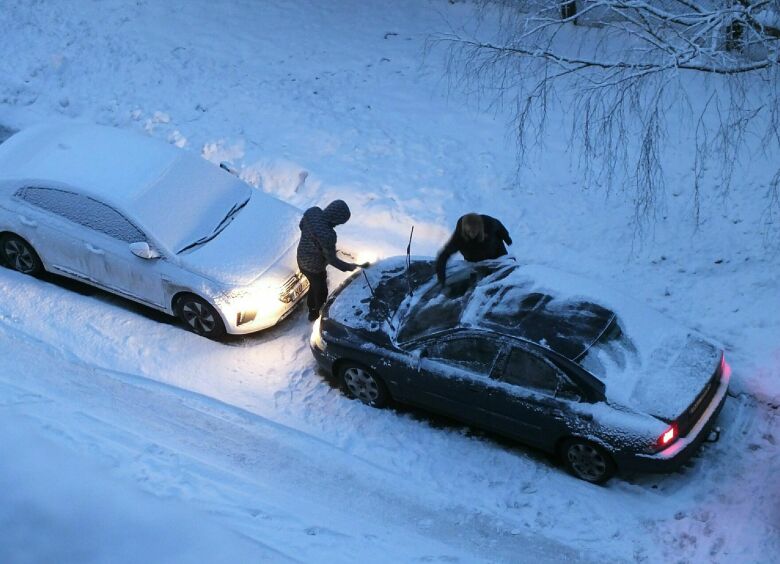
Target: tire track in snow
210	454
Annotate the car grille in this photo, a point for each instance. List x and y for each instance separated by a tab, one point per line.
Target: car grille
688	419
293	288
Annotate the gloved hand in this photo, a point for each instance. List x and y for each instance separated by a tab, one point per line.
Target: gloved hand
508	240
365	264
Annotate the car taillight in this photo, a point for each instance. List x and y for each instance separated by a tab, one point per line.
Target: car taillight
668	436
725	369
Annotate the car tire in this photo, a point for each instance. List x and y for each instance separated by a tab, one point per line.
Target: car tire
587	461
363	384
200	317
20	255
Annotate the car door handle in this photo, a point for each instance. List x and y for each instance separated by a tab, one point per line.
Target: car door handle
28	222
95	250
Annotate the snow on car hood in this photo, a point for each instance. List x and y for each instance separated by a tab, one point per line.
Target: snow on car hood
262	235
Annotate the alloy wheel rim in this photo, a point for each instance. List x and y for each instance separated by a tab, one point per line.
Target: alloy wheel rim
198	317
20	256
361	384
587	461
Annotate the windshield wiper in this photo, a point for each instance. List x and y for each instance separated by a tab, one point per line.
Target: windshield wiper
218	229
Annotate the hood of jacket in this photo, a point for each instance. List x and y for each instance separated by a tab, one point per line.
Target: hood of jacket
337	212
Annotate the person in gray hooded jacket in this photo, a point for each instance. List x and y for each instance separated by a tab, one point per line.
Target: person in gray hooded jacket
317	250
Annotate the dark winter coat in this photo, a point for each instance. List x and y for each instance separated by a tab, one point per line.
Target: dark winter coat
317	247
474	250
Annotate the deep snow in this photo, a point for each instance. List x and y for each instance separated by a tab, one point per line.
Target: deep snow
245	442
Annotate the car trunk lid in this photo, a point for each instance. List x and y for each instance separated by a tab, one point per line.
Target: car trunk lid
680	378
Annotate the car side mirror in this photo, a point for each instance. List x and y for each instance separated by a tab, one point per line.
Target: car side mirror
142	250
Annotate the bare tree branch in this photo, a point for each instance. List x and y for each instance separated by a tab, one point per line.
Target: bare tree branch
617	68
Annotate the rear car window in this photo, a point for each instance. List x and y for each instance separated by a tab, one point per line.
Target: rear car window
612	349
84	211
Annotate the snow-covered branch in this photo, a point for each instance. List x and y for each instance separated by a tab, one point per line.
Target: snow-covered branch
617	68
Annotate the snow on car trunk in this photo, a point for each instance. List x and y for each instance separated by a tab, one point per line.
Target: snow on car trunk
675	376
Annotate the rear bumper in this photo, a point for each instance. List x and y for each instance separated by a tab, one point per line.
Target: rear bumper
681	451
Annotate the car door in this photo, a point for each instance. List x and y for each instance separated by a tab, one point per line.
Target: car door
453	376
110	262
533	401
88	239
42	215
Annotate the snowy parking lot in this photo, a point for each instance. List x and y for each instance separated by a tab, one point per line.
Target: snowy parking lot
126	438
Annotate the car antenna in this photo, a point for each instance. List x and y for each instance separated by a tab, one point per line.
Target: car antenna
409	263
373	295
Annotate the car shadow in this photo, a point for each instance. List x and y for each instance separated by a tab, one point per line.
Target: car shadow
6	132
152	314
94	292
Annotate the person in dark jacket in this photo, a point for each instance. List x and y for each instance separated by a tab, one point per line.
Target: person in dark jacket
317	250
477	237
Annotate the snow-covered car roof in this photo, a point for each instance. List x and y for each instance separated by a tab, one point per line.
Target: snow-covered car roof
174	195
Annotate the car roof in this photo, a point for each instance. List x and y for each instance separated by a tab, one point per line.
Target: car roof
505	298
110	164
144	178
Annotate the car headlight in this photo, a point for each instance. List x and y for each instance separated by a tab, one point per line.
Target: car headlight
248	304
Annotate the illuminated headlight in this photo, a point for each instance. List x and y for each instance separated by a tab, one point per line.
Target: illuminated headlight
246	305
316	336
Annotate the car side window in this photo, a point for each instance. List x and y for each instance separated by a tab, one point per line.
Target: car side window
532	372
469	353
83	210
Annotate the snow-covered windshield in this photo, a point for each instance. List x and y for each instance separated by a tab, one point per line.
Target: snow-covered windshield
190	202
229	216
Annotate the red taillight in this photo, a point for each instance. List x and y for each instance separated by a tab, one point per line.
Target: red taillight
668	436
725	369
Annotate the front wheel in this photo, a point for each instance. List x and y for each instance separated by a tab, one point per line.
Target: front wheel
200	317
587	461
20	255
361	383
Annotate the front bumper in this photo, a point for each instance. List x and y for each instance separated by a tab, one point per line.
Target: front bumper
680	451
267	312
319	348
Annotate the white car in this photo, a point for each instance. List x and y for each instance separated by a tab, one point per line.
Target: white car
151	222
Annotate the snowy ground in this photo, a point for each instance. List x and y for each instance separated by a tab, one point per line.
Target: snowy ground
126	437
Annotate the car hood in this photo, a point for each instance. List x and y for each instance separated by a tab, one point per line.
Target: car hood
368	299
260	240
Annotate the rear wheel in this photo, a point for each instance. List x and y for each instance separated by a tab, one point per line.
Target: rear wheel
361	383
200	317
587	461
20	255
